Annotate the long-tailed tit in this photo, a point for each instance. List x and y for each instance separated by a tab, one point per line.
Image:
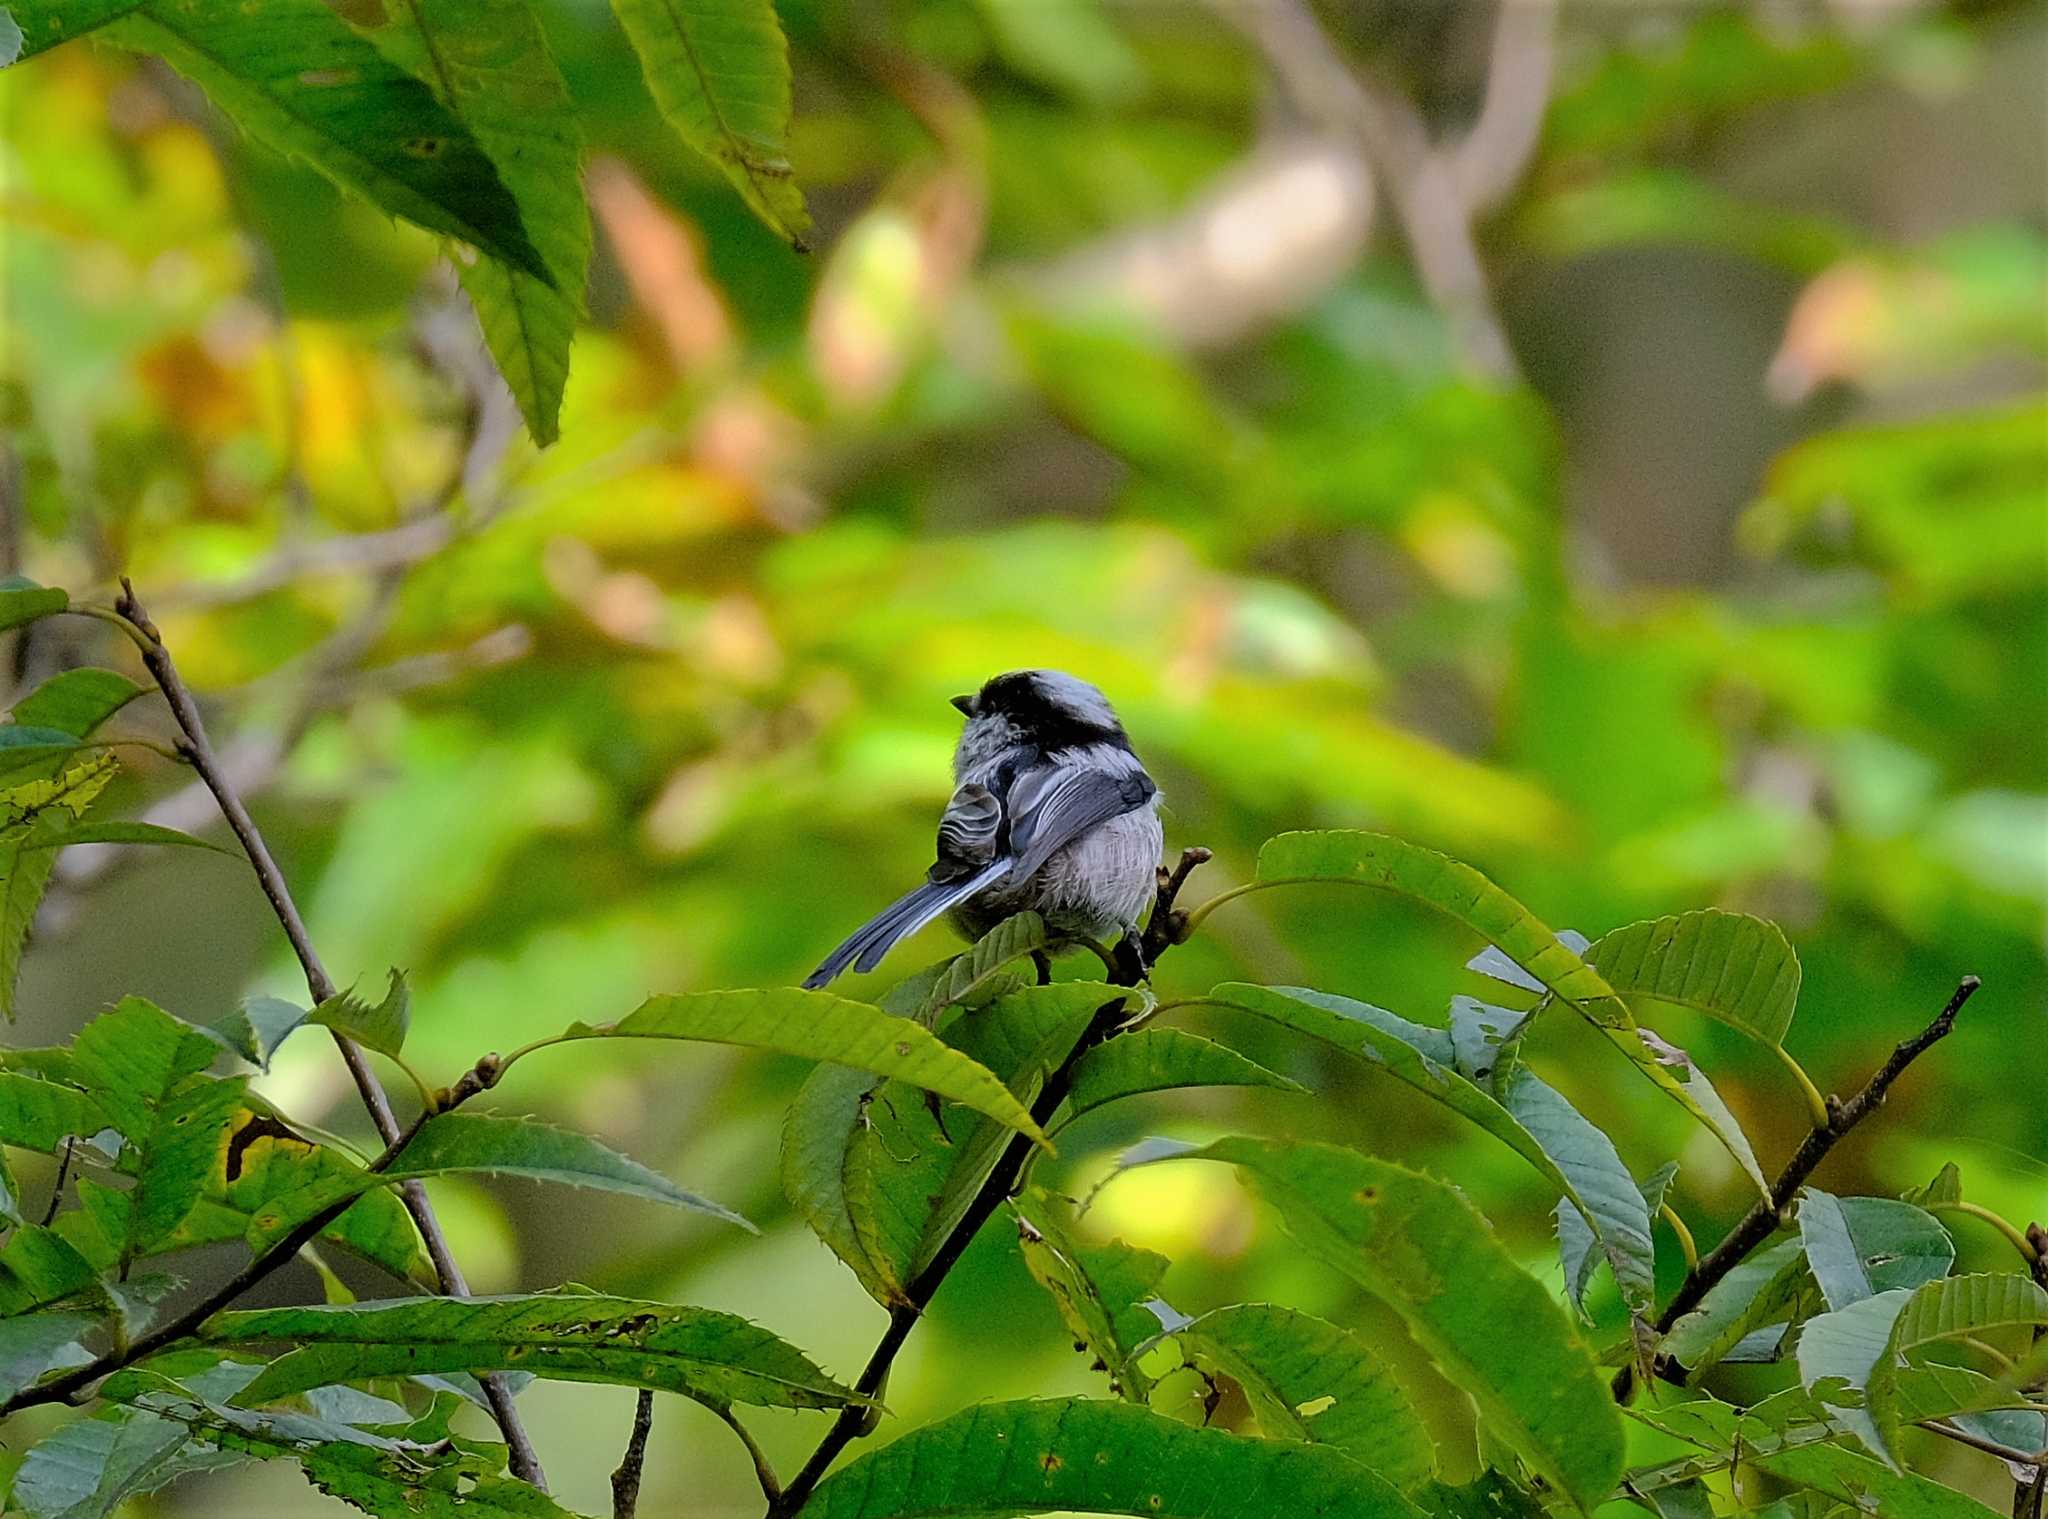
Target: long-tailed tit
1053	814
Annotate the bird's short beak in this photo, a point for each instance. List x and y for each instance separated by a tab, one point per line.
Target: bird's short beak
965	704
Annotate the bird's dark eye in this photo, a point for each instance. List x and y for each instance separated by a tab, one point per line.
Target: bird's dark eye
966	704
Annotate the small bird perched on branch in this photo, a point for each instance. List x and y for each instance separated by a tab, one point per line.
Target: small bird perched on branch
1052	814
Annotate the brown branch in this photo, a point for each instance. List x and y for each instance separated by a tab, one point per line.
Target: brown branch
626	1480
1166	927
1765	1217
481	1078
156	658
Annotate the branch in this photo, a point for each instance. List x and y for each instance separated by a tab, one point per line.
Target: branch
626	1480
481	1078
1166	927
156	658
1764	1218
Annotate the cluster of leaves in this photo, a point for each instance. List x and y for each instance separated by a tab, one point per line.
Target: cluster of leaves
886	1150
453	115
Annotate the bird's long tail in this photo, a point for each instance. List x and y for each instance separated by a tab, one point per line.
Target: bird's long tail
899	920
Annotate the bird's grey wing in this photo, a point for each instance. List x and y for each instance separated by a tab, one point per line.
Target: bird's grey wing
1053	805
968	833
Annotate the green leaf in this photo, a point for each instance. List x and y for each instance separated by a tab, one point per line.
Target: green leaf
23	748
488	63
20	604
132	1057
41	1115
1090	1457
39	1267
87	1469
1161	1060
964	975
46	23
256	1028
271	1178
820	1026
1704	1102
1951	1308
115	832
1311	1380
35	1344
1837	1352
77	701
1859	1246
507	1146
1578	1250
713	1357
381	1028
1763	1290
296	77
1423	1250
174	1161
1868	1486
1946	1188
719	73
1425	1058
1457	890
24	805
816	1133
1099	1291
1730	966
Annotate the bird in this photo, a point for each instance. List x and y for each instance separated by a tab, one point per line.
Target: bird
1052	813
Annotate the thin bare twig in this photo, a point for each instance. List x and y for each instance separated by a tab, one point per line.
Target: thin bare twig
857	1419
626	1480
156	658
63	1176
1765	1217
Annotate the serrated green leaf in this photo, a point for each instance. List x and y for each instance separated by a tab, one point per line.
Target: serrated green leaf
1423	1250
719	74
46	23
1868	1486
295	76
174	1163
713	1357
1950	1308
507	1146
76	702
1099	1291
87	1469
256	1028
1763	1290
819	1127
820	1026
488	63
1858	1246
1946	1188
271	1178
41	1115
1735	968
1704	1102
1837	1351
961	977
1161	1060
1462	893
35	1344
1426	1059
117	832
132	1057
26	803
1311	1380
24	748
39	1267
21	604
382	1027
1089	1457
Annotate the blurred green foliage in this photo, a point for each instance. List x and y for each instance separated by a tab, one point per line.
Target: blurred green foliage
1739	600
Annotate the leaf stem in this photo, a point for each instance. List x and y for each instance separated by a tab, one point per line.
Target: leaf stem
1686	1245
1997	1221
129	615
1816	1105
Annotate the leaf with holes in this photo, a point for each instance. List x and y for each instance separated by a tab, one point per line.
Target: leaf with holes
713	1357
1089	1457
381	1026
1100	1291
1857	1246
719	74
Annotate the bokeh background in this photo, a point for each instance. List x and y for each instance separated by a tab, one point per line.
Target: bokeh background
1607	445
